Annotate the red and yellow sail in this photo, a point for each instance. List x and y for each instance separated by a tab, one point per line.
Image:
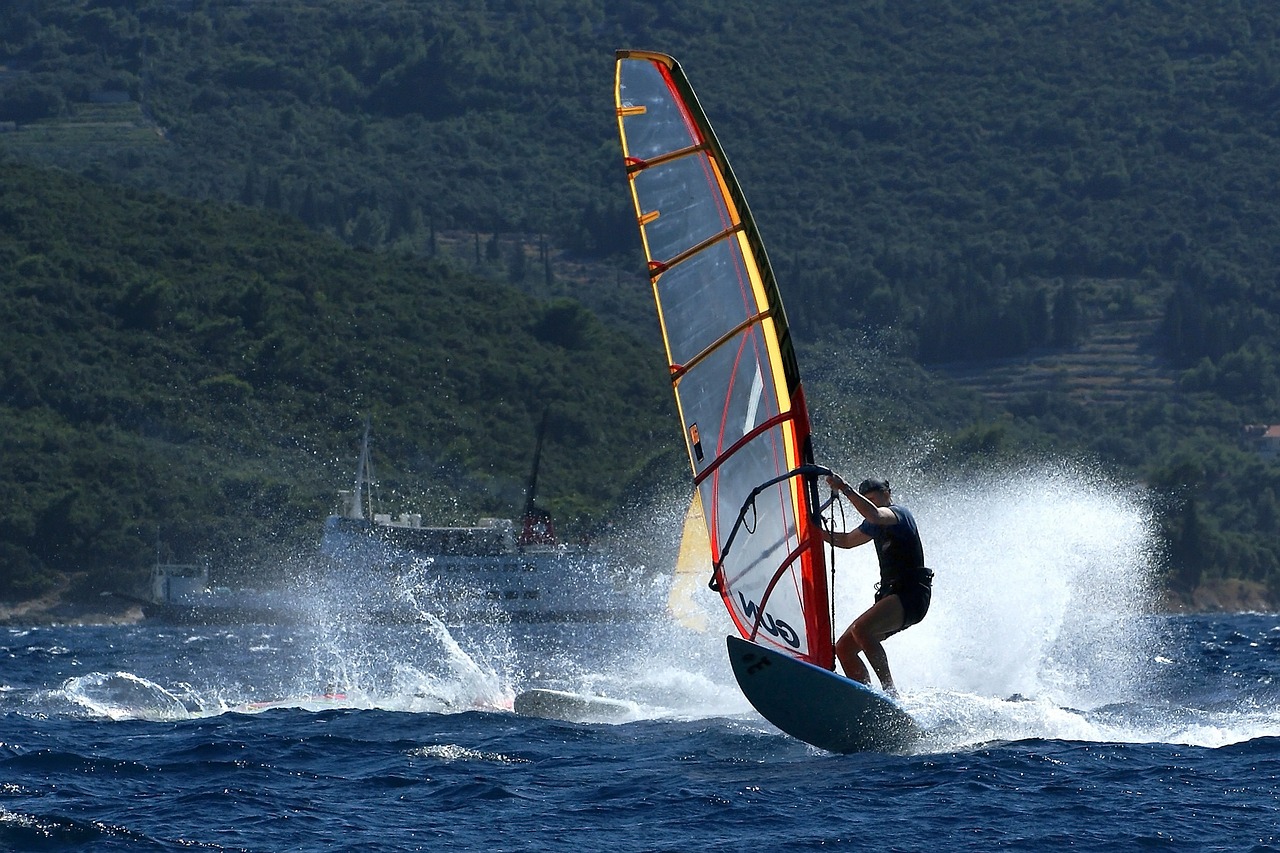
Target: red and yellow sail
733	368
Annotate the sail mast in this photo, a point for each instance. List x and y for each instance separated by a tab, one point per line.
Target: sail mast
536	525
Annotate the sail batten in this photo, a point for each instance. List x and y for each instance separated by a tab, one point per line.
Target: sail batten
679	370
733	371
657	268
635	164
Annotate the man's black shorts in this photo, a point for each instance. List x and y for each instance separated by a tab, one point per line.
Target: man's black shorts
915	592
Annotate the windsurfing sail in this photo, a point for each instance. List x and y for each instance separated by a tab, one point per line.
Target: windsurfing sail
733	369
693	566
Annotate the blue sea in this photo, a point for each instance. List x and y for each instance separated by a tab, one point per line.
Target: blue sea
399	738
1062	711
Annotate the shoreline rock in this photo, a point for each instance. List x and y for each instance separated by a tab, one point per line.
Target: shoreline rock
1223	595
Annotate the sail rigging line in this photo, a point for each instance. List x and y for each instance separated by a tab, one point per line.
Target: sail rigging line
808	470
804	470
834	503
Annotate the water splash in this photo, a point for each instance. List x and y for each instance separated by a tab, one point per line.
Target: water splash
418	667
1043	622
1044	587
123	696
1044	582
1044	592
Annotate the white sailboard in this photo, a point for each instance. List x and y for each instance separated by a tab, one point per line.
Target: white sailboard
737	386
550	704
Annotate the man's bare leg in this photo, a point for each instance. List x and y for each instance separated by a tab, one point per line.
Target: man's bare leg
847	652
865	635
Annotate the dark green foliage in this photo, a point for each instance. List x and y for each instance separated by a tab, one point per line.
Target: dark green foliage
966	181
27	100
566	324
24	576
201	371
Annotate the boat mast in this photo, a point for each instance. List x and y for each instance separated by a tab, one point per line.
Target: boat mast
536	526
364	475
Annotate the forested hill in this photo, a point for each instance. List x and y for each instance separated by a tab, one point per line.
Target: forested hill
956	180
945	167
201	372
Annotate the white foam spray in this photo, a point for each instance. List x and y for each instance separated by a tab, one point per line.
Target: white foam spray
122	696
1043	579
1044	582
1043	593
1041	626
1042	622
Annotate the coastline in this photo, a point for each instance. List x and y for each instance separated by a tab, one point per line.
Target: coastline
1223	595
56	608
1226	595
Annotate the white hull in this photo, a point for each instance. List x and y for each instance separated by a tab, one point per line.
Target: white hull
539	584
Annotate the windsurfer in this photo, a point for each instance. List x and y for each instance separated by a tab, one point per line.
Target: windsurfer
905	588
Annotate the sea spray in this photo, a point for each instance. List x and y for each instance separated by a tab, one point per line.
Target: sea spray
123	696
1043	578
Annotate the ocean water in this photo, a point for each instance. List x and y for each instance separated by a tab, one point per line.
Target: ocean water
1060	711
144	738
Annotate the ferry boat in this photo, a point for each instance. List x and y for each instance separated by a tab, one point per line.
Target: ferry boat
379	568
180	594
493	570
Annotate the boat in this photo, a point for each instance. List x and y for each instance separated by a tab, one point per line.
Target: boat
180	594
736	381
380	568
497	569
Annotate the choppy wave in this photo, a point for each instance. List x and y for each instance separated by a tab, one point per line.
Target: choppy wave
1059	711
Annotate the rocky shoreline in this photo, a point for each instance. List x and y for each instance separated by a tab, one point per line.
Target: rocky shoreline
56	608
1227	595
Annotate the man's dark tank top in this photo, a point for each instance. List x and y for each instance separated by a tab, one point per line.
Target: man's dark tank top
898	547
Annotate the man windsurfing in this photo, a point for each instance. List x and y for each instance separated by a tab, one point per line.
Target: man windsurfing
906	585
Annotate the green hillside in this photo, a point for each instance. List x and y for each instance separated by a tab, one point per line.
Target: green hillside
201	371
1062	207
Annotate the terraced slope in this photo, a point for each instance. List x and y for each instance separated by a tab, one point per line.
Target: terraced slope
1115	364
